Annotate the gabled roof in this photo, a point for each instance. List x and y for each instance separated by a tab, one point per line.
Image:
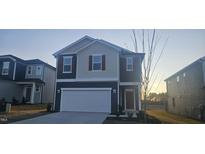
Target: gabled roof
72	44
38	61
187	67
13	57
32	61
92	41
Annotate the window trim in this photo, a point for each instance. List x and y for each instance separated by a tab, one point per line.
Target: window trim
28	70
101	66
41	69
69	57
128	69
178	78
2	72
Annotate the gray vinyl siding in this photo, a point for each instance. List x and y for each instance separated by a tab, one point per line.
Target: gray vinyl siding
111	62
188	93
203	69
9	89
48	89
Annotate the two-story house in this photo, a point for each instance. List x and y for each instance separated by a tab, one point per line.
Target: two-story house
186	90
28	81
93	75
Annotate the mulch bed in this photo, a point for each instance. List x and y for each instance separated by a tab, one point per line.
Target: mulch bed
126	120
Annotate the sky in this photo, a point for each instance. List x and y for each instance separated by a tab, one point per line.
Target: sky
183	46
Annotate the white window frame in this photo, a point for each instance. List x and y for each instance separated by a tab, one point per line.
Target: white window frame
178	78
3	67
71	65
41	70
93	56
127	64
28	70
184	74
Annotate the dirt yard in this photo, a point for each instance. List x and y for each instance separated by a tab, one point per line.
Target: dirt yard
168	118
21	112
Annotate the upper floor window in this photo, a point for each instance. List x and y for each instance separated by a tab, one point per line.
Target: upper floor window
177	78
29	70
67	64
184	75
129	64
97	62
38	70
5	68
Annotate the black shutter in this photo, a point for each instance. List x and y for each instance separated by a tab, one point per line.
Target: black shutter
90	63
103	62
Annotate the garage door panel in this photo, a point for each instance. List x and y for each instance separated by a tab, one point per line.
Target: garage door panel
86	100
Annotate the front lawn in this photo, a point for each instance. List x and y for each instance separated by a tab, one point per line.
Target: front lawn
22	112
169	118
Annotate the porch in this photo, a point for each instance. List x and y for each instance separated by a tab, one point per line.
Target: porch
32	90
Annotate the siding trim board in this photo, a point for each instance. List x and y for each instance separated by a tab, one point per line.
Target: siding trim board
129	83
87	79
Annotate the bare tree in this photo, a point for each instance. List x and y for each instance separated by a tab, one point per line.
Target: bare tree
149	41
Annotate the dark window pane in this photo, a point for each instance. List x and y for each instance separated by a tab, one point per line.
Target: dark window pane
129	67
67	68
97	66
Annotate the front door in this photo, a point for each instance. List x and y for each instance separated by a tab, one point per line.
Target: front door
28	94
129	99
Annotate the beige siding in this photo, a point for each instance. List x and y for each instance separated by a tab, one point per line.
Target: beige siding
48	90
112	62
77	46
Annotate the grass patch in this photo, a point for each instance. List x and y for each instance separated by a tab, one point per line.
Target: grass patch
169	118
22	112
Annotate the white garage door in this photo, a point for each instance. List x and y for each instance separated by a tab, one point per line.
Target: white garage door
86	99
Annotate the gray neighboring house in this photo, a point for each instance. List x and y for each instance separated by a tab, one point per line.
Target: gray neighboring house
186	90
33	80
94	75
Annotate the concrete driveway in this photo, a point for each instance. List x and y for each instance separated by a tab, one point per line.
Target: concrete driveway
67	118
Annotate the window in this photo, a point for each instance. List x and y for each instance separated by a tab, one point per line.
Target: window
97	62
5	68
29	70
173	102
177	78
38	70
184	75
37	89
129	64
67	64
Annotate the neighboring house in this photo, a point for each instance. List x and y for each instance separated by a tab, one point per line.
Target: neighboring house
31	81
97	76
186	90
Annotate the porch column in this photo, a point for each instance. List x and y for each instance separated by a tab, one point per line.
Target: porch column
32	92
